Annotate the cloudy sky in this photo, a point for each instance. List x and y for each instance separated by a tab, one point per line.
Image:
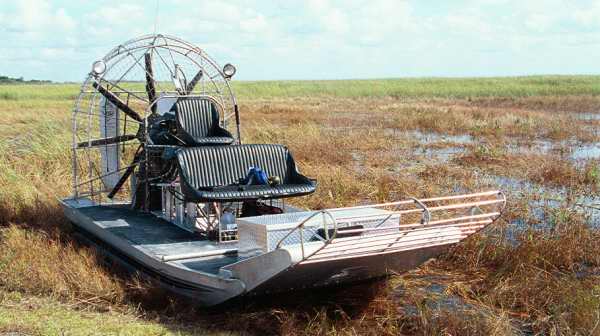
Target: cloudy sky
313	39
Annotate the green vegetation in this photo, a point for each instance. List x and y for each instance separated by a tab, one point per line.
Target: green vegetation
426	87
30	315
40	92
20	80
536	271
401	88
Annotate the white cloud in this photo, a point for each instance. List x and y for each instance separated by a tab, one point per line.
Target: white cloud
589	17
362	21
64	20
123	14
472	22
254	24
311	38
36	17
328	16
540	22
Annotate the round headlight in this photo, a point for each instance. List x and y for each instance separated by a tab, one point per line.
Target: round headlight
98	68
229	70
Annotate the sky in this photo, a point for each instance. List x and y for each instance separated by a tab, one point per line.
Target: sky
312	39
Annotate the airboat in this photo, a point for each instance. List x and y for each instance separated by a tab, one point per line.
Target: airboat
164	183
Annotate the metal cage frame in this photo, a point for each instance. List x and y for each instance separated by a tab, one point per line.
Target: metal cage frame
124	72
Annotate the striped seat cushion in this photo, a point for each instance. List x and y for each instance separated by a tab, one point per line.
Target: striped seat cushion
198	122
213	173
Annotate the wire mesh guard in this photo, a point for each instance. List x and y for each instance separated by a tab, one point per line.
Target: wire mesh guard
123	90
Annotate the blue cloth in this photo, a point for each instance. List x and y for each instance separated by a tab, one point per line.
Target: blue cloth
255	176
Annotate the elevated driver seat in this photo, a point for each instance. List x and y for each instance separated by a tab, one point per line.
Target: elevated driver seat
198	122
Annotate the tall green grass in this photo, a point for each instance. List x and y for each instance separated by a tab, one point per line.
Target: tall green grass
32	92
406	87
426	87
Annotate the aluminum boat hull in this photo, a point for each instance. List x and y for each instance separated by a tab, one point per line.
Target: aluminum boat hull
211	273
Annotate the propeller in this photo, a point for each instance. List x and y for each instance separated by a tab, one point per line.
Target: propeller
111	97
106	141
150	85
136	160
192	84
185	88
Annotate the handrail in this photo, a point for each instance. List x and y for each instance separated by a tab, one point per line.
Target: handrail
424	200
376	234
426	213
430	209
301	226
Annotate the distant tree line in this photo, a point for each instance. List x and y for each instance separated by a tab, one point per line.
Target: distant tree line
20	80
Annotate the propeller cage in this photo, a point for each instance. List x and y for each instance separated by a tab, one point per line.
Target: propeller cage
122	117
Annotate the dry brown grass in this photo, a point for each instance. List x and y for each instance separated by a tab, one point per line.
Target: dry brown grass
548	104
539	278
41	263
526	120
545	169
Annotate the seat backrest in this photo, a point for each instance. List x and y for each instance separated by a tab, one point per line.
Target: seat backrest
197	116
205	167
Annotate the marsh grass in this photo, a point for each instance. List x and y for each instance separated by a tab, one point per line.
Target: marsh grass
54	267
538	278
504	87
425	87
360	139
544	169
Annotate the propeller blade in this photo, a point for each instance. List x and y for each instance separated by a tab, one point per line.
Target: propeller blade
192	84
150	85
117	101
128	172
106	141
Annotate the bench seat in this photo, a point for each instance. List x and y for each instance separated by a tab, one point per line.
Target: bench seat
233	193
212	174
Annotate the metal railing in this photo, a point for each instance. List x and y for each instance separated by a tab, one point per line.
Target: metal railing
379	229
300	228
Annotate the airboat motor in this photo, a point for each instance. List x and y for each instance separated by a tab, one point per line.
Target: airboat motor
163	182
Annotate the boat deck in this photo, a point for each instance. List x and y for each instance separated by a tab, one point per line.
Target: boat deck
159	239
